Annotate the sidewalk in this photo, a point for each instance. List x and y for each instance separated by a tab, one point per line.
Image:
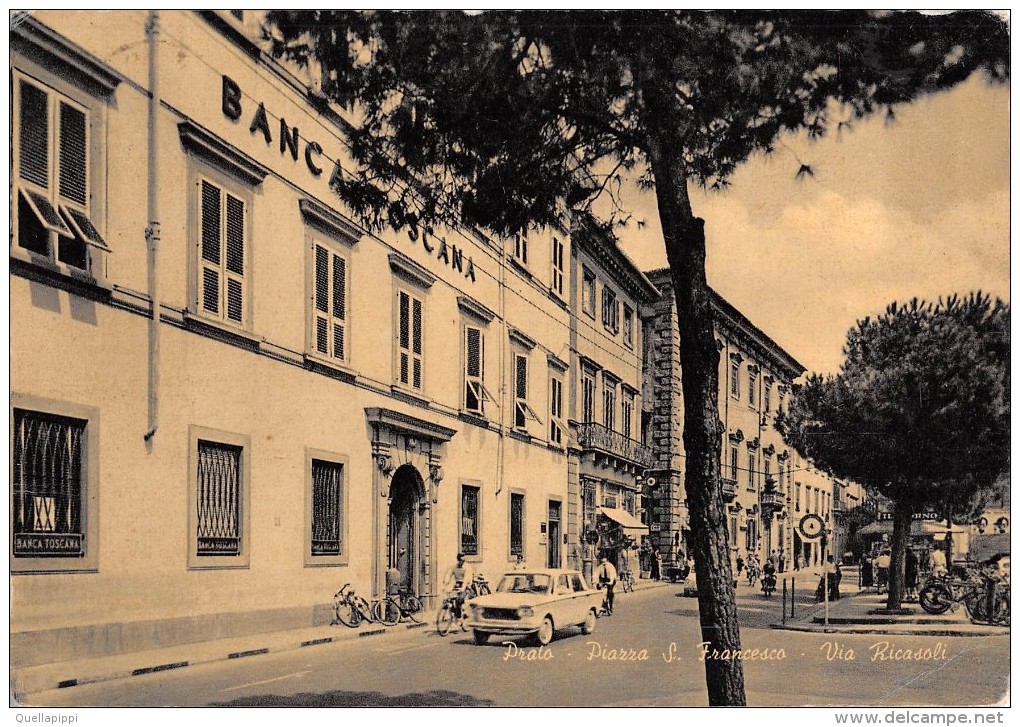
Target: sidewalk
30	680
861	612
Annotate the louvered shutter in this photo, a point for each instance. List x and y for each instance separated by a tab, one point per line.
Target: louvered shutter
210	225
235	259
474	352
416	340
339	306
321	300
73	171
33	139
404	340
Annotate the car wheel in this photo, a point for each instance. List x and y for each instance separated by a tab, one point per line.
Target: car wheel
481	637
545	632
589	622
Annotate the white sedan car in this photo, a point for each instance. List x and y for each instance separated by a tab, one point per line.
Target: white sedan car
535	602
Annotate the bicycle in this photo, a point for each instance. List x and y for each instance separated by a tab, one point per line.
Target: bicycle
941	594
349	608
395	608
452	610
627	581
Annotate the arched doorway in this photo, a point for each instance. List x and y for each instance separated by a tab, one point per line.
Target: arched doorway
404	528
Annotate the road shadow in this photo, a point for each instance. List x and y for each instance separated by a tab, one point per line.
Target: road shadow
432	698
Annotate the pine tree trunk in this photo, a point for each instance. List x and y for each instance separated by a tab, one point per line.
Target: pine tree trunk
699	360
903	514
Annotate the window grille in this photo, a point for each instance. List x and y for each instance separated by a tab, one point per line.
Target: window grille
327	507
516	524
469	520
219	499
49	485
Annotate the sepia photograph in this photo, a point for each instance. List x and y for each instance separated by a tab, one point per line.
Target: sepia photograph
510	358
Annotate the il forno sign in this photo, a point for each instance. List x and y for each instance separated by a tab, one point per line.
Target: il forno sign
290	141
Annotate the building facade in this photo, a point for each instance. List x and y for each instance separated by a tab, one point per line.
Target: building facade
767	486
608	454
312	403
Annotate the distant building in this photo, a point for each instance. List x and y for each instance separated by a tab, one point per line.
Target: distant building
767	486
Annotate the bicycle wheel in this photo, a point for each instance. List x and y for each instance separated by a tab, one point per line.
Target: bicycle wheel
412	605
347	614
386	611
363	607
444	619
935	598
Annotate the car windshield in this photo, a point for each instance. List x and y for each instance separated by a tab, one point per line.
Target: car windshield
524	583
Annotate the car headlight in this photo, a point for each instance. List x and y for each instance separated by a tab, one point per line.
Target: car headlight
525	612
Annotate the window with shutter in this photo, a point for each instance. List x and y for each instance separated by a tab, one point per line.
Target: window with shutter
329	303
587	398
557	266
222	252
609	406
475	393
410	343
555	410
522	409
52	199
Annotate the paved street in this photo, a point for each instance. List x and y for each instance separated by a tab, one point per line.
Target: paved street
646	654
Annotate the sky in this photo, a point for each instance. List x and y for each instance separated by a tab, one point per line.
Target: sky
915	207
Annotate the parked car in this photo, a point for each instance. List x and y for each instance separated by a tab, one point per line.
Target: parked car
535	603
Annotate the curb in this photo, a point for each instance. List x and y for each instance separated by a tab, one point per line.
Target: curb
852	629
62	675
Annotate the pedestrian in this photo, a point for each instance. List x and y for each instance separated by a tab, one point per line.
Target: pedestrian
798	562
605	576
782	561
519	565
656	566
740	564
938	562
882	563
910	575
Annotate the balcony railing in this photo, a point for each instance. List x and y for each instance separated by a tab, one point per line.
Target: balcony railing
595	437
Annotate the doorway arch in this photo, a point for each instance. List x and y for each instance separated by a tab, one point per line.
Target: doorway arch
405	529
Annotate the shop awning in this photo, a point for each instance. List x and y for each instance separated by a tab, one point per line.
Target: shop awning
917	527
630	524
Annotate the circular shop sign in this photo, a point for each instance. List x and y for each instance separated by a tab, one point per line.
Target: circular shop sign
811	526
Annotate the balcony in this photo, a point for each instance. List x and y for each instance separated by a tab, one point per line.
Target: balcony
603	442
729	489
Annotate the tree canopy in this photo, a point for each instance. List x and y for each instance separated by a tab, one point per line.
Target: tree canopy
919	411
506	120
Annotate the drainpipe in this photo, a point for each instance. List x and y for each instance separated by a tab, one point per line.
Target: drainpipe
152	232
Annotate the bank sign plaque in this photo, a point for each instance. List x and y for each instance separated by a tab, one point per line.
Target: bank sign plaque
42	545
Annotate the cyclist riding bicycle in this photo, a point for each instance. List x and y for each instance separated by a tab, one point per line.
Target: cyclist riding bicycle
457	582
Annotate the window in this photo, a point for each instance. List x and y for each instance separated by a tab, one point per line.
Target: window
219	499
329	303
587	397
628	326
475	393
796	502
609	406
52	156
627	414
735	379
327	508
767	396
54	483
609	499
751	474
521	249
629	501
752	386
409	339
469	520
557	266
516	524
752	535
588	292
222	251
522	410
733	463
733	531
555	410
610	310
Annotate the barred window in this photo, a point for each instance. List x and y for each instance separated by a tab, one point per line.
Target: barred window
516	524
327	508
51	147
469	520
50	453
219	499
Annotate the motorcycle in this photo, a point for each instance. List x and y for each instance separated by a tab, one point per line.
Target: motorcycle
768	584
